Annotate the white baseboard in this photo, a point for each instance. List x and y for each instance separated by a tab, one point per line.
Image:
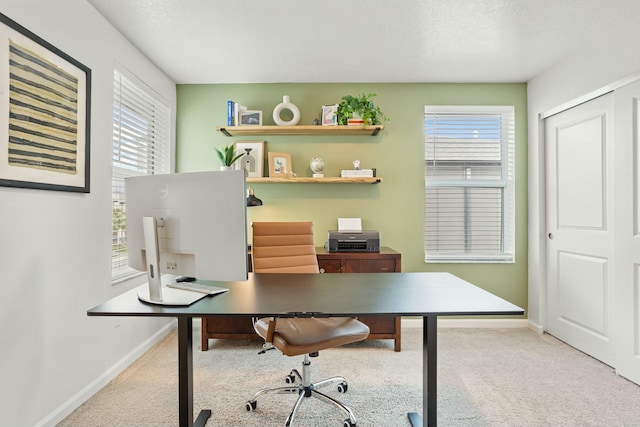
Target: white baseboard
536	327
96	385
469	323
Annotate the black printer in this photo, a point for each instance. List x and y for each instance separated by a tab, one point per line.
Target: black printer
353	241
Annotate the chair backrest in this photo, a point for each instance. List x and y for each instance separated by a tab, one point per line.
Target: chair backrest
283	247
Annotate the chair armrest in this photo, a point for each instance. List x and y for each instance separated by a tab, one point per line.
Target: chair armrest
272	330
271	327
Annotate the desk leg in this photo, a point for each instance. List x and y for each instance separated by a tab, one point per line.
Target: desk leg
429	374
185	376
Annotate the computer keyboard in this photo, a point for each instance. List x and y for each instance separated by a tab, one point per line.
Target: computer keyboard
198	287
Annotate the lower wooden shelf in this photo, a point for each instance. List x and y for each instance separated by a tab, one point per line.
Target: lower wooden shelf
308	180
382	327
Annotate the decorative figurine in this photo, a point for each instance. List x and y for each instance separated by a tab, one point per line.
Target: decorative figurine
356	165
317	167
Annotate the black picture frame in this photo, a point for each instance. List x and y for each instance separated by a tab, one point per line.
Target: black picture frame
45	114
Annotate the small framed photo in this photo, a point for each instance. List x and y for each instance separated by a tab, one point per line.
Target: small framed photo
279	164
253	159
250	118
330	115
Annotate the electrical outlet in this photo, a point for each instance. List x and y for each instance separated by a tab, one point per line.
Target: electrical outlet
172	266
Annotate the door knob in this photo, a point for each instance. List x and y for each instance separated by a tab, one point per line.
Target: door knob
551	236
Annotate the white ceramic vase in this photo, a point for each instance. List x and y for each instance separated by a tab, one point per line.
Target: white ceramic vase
286	105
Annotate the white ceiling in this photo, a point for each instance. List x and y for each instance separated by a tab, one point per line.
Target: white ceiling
264	41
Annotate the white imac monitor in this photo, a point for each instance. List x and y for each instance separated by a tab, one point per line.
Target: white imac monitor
196	227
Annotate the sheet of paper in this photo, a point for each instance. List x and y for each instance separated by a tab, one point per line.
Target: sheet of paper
350	224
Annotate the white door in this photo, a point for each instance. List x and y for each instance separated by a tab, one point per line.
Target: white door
627	233
579	201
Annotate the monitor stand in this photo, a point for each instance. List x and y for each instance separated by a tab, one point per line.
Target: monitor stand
171	296
155	292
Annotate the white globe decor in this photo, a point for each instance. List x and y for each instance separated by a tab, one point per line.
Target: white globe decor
317	167
286	105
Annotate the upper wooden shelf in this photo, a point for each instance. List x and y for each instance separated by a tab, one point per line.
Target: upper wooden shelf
308	180
299	130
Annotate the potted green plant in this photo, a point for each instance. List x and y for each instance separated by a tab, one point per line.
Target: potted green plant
360	107
227	156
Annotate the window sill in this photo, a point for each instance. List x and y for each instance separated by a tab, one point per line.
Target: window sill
126	276
451	260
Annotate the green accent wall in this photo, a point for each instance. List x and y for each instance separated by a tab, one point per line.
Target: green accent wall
394	207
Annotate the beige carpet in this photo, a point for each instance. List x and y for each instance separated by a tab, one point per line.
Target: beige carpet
486	377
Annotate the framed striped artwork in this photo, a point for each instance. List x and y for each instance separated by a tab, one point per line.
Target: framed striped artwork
45	104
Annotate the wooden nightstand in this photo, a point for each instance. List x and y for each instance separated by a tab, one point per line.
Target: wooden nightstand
385	261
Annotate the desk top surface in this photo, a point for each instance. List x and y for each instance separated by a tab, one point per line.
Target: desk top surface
404	294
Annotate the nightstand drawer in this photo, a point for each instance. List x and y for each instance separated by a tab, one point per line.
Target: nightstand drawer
330	266
370	265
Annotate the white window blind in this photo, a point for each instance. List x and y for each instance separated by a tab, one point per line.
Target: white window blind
141	146
469	183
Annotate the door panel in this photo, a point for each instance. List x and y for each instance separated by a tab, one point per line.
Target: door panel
584	277
627	331
579	221
580	153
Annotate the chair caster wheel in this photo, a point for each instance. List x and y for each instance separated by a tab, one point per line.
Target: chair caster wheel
290	379
251	405
342	388
348	423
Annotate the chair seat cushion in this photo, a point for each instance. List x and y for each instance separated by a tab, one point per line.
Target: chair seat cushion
294	336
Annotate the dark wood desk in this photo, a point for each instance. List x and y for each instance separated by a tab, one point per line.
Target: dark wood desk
382	327
427	295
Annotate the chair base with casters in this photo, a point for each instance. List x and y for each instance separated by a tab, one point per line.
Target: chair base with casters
317	333
307	389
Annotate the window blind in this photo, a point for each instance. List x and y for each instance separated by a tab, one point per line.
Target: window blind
141	146
469	183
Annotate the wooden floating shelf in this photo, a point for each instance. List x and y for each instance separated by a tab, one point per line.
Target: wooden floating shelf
299	130
307	180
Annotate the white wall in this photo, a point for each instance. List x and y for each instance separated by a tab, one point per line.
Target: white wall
55	246
592	68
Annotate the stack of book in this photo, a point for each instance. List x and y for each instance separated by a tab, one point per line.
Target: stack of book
233	113
355	122
358	173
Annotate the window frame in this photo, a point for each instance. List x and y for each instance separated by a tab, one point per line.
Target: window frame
148	126
506	182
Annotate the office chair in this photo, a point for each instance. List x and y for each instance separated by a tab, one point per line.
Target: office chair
288	247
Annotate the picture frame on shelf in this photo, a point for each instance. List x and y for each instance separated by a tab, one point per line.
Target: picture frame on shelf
253	160
250	118
46	120
279	164
330	115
